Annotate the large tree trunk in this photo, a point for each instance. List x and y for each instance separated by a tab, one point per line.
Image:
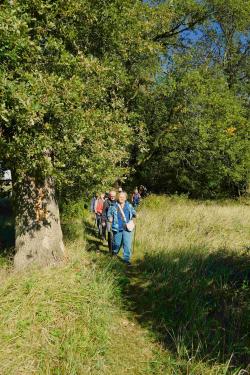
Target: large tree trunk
38	230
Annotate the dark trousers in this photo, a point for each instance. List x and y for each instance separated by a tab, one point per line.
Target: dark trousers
101	228
110	241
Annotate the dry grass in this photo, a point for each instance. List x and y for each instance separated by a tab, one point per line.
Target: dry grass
177	223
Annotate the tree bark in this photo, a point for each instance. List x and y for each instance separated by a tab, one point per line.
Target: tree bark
38	231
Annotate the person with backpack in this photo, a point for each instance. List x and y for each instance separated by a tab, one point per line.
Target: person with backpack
98	211
136	197
121	216
110	201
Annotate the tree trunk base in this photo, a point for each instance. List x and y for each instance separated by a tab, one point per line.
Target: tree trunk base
39	239
42	247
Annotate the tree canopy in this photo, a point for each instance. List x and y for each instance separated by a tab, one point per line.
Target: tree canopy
68	71
90	89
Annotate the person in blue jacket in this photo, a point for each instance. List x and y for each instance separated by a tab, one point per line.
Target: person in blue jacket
136	198
119	215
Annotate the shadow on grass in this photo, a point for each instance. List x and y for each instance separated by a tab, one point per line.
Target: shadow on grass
196	304
83	229
73	229
94	243
7	229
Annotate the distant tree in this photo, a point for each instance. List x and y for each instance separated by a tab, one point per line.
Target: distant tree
199	137
197	114
227	36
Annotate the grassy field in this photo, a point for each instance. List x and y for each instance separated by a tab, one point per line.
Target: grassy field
70	320
183	308
191	285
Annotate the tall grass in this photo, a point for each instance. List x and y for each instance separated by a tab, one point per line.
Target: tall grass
183	308
68	320
178	223
191	287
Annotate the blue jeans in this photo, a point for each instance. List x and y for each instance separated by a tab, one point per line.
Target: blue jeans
123	239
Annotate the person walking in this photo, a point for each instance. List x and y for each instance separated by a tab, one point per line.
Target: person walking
120	215
143	191
98	211
93	204
110	201
136	197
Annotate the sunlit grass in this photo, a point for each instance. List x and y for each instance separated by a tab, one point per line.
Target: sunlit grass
192	279
68	320
183	308
177	223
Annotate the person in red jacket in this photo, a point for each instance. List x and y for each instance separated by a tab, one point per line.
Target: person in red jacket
98	211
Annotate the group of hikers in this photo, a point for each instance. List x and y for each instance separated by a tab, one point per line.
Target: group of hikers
114	219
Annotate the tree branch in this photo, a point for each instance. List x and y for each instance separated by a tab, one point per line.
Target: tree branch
176	29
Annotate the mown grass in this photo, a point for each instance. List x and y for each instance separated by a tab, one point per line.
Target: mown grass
183	308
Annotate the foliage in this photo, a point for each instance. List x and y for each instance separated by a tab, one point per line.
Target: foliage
197	113
200	136
68	72
80	85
